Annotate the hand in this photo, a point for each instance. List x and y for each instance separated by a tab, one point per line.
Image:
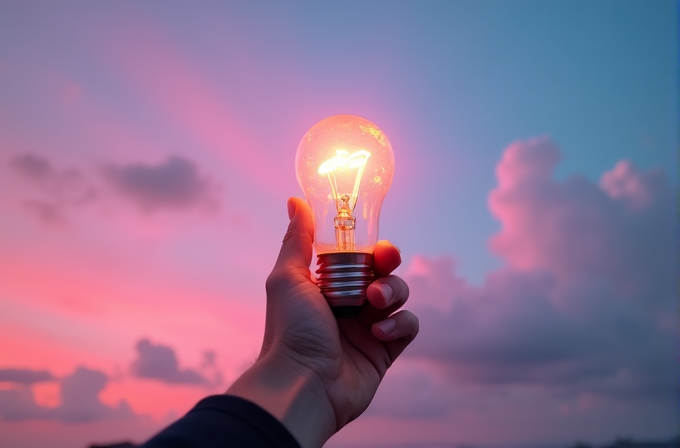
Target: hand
311	359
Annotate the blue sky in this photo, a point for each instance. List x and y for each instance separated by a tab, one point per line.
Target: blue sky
461	80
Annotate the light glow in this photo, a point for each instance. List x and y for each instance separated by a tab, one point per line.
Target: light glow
345	202
343	159
345	163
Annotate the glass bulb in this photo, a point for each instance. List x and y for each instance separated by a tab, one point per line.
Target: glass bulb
344	165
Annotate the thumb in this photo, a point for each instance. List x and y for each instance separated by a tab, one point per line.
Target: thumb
296	251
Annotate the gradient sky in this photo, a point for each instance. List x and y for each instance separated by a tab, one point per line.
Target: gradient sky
147	151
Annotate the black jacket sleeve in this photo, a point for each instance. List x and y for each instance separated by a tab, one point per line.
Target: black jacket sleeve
224	421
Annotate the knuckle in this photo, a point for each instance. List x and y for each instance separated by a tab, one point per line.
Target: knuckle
415	325
403	287
273	282
400	287
289	234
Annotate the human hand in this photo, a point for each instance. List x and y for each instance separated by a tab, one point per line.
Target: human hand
317	373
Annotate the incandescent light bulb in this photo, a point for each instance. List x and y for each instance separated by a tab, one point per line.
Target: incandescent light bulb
344	164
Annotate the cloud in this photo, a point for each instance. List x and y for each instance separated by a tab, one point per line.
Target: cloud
577	230
79	398
33	167
175	183
25	376
209	358
583	305
53	191
159	362
410	395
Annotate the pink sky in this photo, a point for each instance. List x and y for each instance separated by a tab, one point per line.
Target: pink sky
548	335
145	169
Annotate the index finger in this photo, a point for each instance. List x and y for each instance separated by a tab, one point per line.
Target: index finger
386	258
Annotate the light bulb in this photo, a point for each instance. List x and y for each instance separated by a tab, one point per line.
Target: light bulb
344	165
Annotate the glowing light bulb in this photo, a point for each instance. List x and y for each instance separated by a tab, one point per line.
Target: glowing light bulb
344	165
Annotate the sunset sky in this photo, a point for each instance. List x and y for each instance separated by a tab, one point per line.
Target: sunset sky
147	152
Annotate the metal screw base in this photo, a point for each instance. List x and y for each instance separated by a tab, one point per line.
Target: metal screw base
343	278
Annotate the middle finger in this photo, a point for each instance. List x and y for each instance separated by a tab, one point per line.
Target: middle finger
385	296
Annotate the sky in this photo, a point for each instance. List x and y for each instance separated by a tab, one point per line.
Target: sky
147	152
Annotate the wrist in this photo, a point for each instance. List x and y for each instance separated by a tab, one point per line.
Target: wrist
292	393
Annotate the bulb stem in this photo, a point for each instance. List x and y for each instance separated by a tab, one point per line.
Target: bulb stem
344	233
344	226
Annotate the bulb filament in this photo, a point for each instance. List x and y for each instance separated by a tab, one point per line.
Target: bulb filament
345	202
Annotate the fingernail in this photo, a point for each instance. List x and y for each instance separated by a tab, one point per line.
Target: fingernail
387	326
291	208
387	293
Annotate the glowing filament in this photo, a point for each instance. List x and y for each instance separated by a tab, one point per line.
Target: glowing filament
345	202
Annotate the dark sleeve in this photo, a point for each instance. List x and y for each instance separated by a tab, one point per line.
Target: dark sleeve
224	421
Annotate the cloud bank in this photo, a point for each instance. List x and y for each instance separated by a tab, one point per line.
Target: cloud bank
159	362
581	311
175	183
52	191
25	376
79	397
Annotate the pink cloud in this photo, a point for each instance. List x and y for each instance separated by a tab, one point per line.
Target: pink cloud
627	183
576	228
579	315
79	401
409	393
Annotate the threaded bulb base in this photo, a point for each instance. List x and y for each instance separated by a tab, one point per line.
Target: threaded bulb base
343	278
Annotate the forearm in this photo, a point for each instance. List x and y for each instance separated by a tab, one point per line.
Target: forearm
291	393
